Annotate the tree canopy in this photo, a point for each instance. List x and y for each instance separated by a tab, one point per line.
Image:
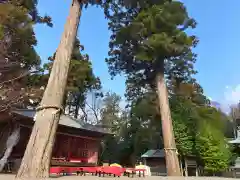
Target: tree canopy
81	80
155	35
19	63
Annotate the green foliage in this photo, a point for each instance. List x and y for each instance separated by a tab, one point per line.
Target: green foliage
130	139
184	124
143	38
80	70
111	119
110	112
212	147
17	26
198	129
149	37
19	62
142	41
31	8
81	79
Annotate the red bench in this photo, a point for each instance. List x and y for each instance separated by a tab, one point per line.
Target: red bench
78	170
110	170
133	171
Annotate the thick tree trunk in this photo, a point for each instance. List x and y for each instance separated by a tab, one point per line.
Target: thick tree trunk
172	162
37	157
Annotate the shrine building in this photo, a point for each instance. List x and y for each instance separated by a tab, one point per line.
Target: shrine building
76	144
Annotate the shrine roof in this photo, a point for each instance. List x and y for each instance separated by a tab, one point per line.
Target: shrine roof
158	153
235	141
154	153
65	120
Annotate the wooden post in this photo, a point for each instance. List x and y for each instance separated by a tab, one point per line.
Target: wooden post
186	167
144	161
181	167
69	147
196	171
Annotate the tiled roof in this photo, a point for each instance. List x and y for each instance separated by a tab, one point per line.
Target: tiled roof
157	153
64	120
235	141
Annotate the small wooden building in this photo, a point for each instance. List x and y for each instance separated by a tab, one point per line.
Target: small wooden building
155	159
235	170
77	144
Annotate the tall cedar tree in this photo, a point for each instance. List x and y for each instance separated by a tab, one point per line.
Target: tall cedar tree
37	157
110	111
111	120
81	80
146	48
19	61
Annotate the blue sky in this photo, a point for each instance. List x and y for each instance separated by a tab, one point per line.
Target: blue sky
218	51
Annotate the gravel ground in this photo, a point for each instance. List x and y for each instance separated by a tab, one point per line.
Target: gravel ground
11	177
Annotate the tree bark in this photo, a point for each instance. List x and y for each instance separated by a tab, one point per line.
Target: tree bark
37	157
171	157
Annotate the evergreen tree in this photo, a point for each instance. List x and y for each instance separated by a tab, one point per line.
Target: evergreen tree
147	43
211	144
20	71
112	121
81	80
111	110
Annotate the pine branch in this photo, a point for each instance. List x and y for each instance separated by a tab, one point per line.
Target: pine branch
17	78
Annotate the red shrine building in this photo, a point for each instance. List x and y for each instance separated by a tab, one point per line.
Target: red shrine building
76	144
